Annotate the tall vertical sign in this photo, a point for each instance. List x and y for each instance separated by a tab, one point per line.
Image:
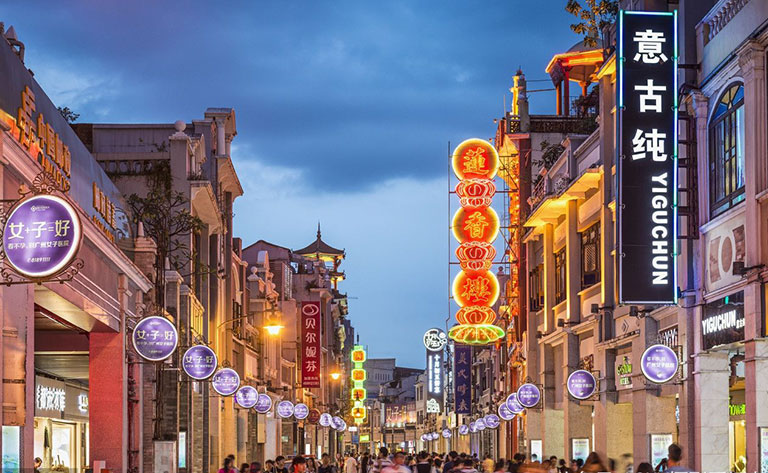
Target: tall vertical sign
310	344
435	341
475	226
462	379
358	393
647	157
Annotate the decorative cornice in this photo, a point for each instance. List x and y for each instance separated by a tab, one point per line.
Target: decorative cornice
720	15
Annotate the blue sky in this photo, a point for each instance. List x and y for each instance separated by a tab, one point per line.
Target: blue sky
345	109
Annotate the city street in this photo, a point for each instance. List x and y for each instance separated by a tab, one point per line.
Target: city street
406	236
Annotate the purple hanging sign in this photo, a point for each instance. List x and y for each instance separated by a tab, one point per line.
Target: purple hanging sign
300	411
463	430
285	409
514	405
247	396
325	419
491	421
263	404
447	433
337	423
199	362
528	395
155	338
504	412
225	381
41	236
659	364
581	384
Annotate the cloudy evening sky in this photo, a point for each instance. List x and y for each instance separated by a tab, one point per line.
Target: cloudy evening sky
344	112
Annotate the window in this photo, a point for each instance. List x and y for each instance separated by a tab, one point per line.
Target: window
560	276
590	256
536	288
726	152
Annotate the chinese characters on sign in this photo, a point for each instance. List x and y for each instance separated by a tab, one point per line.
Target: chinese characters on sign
475	226
263	403
358	393
647	156
659	364
462	379
155	338
300	411
581	384
285	409
41	236
199	362
50	399
310	344
247	397
528	395
435	339
225	381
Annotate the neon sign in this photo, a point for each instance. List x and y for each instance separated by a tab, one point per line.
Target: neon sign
358	393
475	226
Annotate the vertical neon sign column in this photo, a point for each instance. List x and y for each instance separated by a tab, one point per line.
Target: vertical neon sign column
358	393
475	226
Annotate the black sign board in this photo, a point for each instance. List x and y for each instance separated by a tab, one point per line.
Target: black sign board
647	157
722	321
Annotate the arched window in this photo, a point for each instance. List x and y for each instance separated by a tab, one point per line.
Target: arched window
726	151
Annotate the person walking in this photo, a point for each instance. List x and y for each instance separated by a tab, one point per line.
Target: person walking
365	462
397	465
675	459
350	464
227	468
423	465
450	462
382	461
645	468
325	465
501	466
298	464
488	464
594	464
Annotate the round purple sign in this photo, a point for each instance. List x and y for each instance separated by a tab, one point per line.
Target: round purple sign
155	338
581	384
41	236
473	427
463	430
225	381
263	403
247	396
659	363
528	395
491	421
300	411
199	362
480	424
514	405
337	423
504	412
285	409
325	419
447	433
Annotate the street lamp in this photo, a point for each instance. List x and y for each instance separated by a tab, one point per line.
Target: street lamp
273	323
335	375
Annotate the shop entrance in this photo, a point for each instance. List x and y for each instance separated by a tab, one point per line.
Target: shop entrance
737	444
61	431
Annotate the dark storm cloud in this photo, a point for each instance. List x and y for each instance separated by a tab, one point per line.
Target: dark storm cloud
351	93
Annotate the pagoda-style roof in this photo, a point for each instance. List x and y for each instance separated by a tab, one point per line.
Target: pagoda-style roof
321	250
582	62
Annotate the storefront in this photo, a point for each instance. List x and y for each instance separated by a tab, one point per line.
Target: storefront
61	424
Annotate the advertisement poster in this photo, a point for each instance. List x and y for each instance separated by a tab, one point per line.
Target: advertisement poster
536	447
659	445
763	450
580	448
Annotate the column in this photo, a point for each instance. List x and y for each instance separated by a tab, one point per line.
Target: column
577	417
711	374
755	373
107	399
573	262
549	277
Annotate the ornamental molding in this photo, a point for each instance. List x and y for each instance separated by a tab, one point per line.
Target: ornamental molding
720	15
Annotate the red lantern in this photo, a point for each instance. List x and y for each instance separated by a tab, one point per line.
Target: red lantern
475	288
479	224
475	158
476	315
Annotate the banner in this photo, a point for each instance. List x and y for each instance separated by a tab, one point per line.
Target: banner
647	157
462	379
310	344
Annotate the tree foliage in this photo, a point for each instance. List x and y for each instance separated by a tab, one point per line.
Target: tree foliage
69	115
165	215
594	16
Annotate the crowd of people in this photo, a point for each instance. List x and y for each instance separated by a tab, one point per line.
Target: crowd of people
453	462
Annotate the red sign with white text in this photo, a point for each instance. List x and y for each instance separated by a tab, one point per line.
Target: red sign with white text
310	344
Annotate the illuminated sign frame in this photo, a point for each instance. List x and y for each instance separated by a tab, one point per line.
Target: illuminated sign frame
358	357
475	226
647	157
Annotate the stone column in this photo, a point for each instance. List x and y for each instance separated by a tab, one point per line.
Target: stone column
755	373
711	376
577	417
573	262
107	399
549	277
221	137
751	60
